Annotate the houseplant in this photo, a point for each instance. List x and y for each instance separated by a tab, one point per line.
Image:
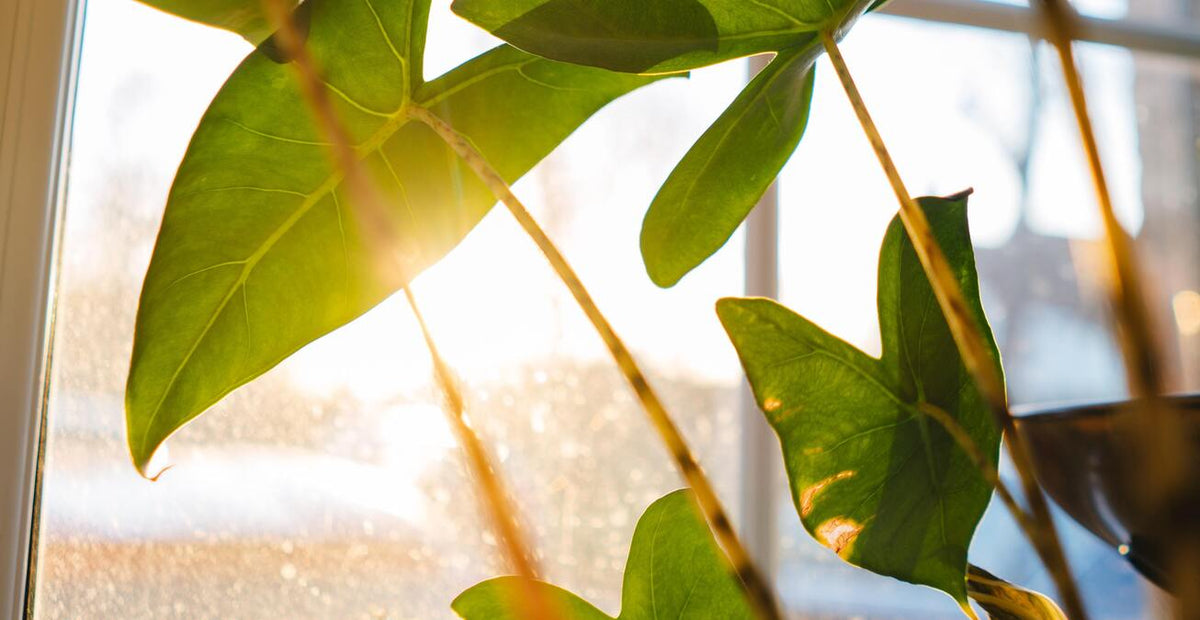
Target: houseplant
322	114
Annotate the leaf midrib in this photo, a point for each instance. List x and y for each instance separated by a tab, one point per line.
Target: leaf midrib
389	128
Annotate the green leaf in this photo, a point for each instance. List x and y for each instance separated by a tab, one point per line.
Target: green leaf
726	172
260	251
644	36
1005	601
244	17
675	570
718	183
501	599
872	477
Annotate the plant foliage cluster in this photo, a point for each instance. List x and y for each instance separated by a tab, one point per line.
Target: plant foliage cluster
264	247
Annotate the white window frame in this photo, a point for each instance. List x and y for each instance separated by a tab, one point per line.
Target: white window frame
39	45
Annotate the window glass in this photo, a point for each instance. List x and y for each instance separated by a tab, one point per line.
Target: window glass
1176	15
962	107
331	487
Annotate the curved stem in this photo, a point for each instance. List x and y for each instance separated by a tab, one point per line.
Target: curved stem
1126	292
377	233
1160	433
758	592
968	338
501	512
968	445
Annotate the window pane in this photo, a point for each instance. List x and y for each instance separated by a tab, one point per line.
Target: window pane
331	488
1175	15
963	107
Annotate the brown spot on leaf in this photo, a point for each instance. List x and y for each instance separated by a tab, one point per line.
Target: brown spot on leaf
772	404
806	497
839	534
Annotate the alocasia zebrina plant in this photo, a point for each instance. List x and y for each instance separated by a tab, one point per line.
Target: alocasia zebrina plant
674	570
261	250
872	476
722	177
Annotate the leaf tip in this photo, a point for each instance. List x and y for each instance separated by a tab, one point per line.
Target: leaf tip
725	306
659	270
960	196
663	271
147	454
149	459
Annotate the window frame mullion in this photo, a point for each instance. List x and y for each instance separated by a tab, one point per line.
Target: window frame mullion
760	458
38	58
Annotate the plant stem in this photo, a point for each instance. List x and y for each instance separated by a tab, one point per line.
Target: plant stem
377	233
968	338
501	512
1161	434
758	592
1126	291
968	445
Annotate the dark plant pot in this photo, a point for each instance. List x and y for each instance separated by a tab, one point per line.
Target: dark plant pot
1084	458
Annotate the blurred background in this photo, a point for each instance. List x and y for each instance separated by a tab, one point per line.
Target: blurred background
332	487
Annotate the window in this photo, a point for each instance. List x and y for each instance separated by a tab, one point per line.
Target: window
331	487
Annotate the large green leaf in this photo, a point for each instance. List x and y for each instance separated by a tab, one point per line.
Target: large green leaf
639	36
726	172
675	570
872	477
244	17
260	251
657	36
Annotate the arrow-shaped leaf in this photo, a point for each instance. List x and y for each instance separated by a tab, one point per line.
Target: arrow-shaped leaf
675	570
726	172
260	251
872	477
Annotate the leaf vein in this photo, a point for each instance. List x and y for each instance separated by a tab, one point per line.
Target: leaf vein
544	84
242	188
385	130
780	12
386	37
272	136
350	100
